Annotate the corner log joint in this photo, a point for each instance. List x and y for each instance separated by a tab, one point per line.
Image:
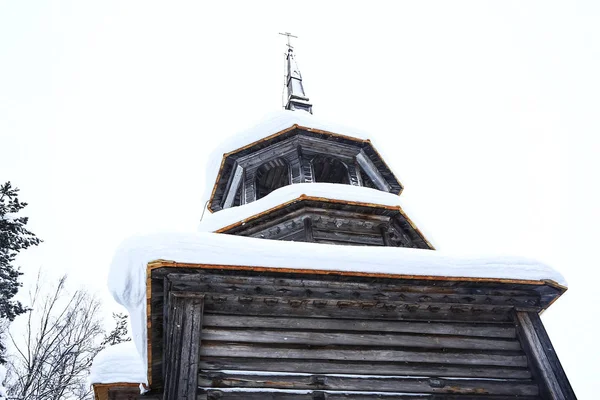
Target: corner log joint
539	349
182	345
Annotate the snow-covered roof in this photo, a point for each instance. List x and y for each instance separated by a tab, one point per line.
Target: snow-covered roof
127	278
120	363
271	124
286	194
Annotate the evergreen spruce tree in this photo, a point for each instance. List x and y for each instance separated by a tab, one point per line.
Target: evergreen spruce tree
14	237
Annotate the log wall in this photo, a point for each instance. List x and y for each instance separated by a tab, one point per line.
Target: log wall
306	337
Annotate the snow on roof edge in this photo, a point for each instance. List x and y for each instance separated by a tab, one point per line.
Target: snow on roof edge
127	276
332	191
120	363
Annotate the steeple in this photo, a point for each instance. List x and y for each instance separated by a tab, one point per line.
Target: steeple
296	98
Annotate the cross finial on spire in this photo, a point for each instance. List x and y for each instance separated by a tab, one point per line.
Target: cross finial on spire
289	35
296	98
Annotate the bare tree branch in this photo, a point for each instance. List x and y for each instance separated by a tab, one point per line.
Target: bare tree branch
61	338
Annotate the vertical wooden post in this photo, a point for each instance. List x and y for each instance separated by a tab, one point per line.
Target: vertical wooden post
359	177
236	181
539	348
354	174
249	192
305	167
293	159
308	230
385	235
182	352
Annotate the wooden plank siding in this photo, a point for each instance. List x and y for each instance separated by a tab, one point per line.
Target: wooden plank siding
406	362
302	336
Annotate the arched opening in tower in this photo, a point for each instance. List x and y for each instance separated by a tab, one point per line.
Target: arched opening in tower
330	170
272	175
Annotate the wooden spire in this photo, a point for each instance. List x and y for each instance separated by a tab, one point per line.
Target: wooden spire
296	97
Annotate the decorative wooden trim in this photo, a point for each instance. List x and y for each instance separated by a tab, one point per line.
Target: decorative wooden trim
308	230
295	126
539	348
304	197
173	264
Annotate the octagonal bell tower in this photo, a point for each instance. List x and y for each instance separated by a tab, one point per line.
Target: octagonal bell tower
322	182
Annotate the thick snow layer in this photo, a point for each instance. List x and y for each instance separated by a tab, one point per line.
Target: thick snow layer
120	363
127	278
271	124
223	218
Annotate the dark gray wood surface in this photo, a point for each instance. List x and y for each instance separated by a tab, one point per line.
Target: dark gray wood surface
547	367
416	337
183	345
334	223
215	394
373	384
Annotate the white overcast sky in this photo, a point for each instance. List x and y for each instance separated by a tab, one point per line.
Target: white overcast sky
489	110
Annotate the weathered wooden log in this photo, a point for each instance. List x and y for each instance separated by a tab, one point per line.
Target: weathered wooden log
375	384
506	331
357	339
548	370
362	367
215	394
219	349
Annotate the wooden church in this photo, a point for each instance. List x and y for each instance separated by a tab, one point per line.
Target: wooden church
310	282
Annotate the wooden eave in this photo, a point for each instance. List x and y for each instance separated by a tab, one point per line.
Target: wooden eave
281	133
305	198
549	290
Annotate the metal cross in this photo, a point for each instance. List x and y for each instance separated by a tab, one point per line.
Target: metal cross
289	35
